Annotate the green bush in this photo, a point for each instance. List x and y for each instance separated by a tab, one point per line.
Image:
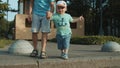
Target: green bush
92	40
3	27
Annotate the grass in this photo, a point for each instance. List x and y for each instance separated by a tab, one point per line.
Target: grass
5	42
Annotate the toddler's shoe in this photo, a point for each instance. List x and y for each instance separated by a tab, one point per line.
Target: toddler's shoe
64	56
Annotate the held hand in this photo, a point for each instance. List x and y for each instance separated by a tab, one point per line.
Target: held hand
29	18
48	15
81	18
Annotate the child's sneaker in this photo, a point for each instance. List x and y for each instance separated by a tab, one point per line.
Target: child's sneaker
62	54
65	56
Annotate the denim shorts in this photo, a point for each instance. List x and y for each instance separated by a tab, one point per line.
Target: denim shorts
63	41
40	23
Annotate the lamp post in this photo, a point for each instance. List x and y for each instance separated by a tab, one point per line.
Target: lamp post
101	32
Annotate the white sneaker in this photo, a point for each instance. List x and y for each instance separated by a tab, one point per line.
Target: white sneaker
64	56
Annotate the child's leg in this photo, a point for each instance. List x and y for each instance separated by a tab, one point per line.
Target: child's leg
66	51
64	55
59	43
66	45
62	51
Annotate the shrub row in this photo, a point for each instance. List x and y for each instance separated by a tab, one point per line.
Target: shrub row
92	40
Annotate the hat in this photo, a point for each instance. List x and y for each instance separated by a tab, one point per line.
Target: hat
61	3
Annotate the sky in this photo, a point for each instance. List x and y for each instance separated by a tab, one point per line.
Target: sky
14	5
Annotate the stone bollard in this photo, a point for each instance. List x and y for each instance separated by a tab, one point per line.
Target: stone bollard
110	47
20	47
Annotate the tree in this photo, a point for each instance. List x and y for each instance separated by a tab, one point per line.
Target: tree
3	27
3	7
111	18
3	22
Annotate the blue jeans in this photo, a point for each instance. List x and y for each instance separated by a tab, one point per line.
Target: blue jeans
63	41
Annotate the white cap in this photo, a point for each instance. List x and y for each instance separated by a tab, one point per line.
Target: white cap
61	3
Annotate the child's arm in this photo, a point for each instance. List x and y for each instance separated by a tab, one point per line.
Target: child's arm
78	19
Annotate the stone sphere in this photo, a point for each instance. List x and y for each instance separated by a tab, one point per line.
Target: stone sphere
110	47
21	47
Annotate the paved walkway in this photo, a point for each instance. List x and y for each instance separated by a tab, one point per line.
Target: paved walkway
80	56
